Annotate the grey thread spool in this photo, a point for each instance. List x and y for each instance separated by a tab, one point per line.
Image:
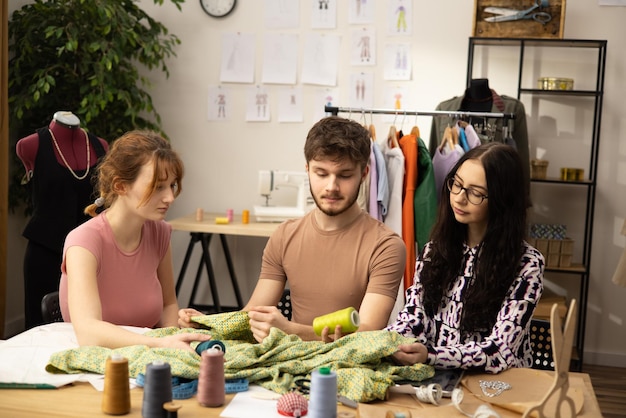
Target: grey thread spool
157	390
323	399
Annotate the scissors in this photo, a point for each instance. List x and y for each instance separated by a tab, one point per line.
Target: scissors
562	340
506	14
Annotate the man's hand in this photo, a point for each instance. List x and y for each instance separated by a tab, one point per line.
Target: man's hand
262	318
409	354
327	338
184	318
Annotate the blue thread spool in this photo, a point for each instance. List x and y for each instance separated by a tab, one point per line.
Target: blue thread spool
323	399
157	390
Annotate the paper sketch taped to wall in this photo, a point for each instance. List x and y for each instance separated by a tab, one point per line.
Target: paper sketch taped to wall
324	14
397	62
238	52
258	105
280	58
321	59
282	14
290	105
363	51
362	90
218	103
399	17
361	11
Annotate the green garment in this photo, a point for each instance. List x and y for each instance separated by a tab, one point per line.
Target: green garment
425	200
363	373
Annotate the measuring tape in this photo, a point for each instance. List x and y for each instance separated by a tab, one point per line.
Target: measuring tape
183	388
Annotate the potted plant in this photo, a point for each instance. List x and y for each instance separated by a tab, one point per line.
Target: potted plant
83	56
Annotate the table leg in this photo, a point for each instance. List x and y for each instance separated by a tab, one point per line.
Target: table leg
231	270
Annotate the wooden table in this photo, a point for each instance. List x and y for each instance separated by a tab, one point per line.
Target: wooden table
202	232
82	400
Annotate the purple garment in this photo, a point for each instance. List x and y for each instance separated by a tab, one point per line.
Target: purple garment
443	161
373	202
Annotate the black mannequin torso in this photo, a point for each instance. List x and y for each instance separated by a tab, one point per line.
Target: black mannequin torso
478	96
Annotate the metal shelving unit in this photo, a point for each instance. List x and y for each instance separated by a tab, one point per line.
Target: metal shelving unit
581	269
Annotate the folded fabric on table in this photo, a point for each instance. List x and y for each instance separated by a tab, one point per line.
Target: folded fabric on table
363	373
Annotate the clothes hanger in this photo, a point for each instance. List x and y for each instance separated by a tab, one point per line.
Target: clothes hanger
392	136
372	127
415	130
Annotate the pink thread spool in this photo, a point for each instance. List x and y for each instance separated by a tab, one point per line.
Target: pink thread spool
211	383
230	214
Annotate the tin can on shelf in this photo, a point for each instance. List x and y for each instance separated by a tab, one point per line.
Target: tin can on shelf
572	174
555	83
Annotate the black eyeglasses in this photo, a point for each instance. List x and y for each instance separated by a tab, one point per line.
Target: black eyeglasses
473	196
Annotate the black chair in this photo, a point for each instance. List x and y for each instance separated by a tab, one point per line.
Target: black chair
541	343
284	305
50	309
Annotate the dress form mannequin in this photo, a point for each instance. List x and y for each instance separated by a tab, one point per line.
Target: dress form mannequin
59	161
478	96
65	127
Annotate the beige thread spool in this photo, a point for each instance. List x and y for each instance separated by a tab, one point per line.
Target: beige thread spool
116	397
199	214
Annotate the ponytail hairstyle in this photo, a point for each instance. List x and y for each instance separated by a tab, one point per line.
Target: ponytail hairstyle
123	162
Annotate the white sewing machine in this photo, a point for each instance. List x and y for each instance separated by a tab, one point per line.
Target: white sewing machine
279	185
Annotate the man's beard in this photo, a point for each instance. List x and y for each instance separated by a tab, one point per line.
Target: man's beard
336	212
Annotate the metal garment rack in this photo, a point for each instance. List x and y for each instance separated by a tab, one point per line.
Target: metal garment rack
334	110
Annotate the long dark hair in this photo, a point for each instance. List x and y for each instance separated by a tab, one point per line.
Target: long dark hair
501	249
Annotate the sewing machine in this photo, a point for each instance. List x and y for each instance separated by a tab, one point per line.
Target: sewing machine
279	185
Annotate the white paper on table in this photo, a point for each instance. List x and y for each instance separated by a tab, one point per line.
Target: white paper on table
248	404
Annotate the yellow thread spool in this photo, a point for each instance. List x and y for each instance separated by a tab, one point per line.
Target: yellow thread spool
116	397
221	220
348	318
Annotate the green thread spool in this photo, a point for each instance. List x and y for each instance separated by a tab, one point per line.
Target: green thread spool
348	318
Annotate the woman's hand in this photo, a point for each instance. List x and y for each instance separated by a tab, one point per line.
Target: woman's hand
409	354
184	318
263	318
183	340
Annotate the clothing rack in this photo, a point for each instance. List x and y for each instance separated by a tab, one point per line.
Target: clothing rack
455	113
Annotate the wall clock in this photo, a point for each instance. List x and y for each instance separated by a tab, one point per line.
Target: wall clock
218	8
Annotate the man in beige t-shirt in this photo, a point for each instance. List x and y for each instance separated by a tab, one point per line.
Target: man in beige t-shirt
336	256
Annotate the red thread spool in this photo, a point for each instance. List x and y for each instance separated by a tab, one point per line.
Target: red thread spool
211	383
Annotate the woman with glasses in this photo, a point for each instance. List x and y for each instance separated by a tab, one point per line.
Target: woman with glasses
476	281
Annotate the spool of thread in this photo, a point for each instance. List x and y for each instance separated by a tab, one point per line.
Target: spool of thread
221	220
245	216
348	318
391	414
199	214
211	383
157	390
323	397
230	215
116	396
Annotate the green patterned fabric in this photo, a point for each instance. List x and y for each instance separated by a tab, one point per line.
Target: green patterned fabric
363	374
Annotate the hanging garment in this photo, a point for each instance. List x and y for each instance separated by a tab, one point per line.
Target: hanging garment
373	194
425	203
408	145
383	181
500	104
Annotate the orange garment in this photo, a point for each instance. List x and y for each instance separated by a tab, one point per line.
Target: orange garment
408	145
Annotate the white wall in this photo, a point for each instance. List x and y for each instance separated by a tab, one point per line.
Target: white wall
222	158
